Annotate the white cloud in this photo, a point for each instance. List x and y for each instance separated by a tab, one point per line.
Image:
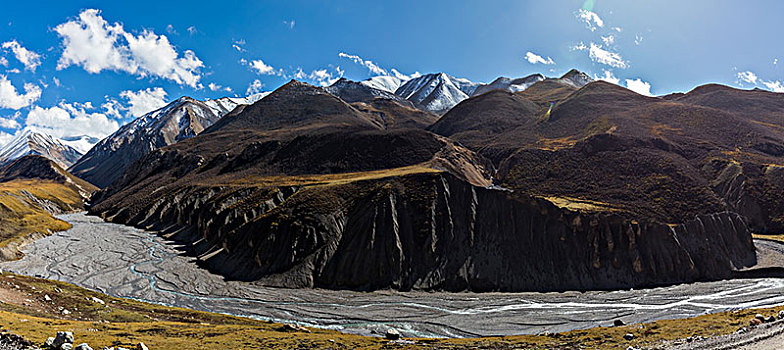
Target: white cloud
255	87
637	39
56	81
617	29
775	86
533	58
170	29
11	99
370	65
608	76
775	61
192	30
289	23
639	86
237	45
68	119
608	40
29	59
4	62
747	77
261	68
144	101
404	77
216	87
322	77
15	71
93	44
5	138
376	69
591	19
603	56
10	123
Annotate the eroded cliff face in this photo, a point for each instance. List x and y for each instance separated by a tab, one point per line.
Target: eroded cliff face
752	190
433	232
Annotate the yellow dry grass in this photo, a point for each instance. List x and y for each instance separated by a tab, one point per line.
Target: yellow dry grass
577	204
21	215
123	322
329	179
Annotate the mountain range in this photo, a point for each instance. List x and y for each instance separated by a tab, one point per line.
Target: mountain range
440	183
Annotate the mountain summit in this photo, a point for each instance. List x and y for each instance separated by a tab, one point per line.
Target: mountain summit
30	142
179	120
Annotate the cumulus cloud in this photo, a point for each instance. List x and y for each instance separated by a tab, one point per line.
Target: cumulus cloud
144	101
591	19
775	86
255	87
605	57
261	68
67	119
29	59
321	77
639	86
4	62
290	24
533	58
92	43
10	122
747	77
607	76
216	87
10	98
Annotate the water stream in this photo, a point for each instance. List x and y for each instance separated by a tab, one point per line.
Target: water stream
132	263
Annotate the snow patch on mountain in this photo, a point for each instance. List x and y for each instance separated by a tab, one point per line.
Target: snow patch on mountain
383	83
29	142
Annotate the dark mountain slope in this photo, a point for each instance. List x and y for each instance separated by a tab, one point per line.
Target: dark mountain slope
664	158
304	190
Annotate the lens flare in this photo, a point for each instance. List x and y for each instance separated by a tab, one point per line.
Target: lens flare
588	5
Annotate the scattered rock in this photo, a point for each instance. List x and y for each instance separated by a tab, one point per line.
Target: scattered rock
628	336
96	300
66	346
689	339
62	338
65	312
618	323
47	297
290	327
755	322
770	319
83	346
742	330
759	317
781	314
141	346
392	334
49	342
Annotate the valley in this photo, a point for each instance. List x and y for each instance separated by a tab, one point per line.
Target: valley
135	264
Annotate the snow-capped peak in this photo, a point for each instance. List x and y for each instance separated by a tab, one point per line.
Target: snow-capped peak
384	83
437	92
28	142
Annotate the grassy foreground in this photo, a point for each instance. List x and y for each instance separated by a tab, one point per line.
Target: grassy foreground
100	320
20	211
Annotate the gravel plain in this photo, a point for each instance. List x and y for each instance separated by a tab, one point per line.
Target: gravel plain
128	262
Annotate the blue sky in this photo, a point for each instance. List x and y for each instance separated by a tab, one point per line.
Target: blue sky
86	67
